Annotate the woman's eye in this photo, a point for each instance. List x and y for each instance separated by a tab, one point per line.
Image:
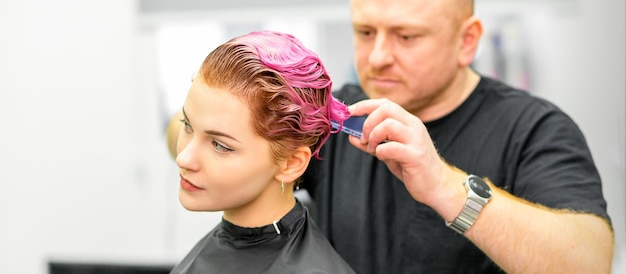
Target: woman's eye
188	128
221	148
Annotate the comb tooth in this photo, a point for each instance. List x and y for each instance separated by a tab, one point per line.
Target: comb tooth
354	121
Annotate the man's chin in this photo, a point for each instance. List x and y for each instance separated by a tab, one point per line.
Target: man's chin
378	91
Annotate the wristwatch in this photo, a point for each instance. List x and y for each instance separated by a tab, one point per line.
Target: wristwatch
478	194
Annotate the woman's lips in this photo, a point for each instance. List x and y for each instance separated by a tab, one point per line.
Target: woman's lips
188	186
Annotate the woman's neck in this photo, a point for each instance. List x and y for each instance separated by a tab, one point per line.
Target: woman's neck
262	211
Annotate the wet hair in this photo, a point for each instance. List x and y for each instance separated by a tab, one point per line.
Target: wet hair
284	84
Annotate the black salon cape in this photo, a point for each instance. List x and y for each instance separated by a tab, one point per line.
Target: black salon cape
299	248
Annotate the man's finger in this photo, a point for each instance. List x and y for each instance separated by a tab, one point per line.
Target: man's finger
365	107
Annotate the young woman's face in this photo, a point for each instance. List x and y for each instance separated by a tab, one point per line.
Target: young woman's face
223	163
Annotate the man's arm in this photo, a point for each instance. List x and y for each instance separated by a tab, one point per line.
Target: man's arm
517	235
522	237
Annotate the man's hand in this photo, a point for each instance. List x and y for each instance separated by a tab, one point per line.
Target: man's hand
401	140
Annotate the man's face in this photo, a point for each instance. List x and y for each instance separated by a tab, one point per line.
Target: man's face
406	50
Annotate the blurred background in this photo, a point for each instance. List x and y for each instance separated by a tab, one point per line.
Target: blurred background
86	89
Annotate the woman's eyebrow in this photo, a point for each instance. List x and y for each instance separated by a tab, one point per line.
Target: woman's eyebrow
212	132
219	133
185	115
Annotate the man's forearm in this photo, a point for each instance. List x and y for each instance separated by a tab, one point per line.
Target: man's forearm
526	238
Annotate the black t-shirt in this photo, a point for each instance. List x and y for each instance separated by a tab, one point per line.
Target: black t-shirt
522	143
299	248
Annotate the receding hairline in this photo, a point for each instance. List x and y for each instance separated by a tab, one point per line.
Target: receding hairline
467	7
463	9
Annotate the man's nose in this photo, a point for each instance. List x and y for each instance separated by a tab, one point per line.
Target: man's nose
382	52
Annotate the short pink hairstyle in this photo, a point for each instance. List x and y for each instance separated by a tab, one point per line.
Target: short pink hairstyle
285	85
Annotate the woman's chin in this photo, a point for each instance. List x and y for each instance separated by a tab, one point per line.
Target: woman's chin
192	204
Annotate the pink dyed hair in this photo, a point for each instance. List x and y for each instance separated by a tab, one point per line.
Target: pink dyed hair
285	85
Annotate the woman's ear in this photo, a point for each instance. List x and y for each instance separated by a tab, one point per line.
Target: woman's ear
471	32
295	165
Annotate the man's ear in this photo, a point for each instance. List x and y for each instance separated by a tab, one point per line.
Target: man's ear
471	32
295	165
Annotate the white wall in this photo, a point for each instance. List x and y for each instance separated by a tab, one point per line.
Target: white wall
84	174
75	149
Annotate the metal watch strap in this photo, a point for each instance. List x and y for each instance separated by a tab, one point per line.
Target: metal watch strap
473	206
467	217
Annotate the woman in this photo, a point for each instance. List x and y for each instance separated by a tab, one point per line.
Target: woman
257	111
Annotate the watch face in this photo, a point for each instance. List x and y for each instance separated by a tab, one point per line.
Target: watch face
480	187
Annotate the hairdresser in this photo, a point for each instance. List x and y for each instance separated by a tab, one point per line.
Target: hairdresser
455	172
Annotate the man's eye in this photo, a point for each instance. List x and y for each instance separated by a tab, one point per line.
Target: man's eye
221	148
408	37
364	33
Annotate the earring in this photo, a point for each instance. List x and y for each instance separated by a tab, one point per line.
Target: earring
282	186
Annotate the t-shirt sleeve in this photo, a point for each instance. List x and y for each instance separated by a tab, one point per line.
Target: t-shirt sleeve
556	168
